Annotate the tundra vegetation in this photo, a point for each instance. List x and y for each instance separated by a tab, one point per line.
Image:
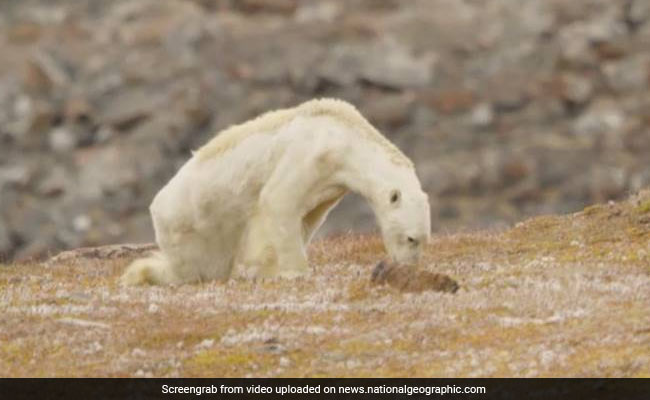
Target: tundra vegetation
552	296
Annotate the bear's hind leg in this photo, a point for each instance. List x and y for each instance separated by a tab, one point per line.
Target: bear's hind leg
192	256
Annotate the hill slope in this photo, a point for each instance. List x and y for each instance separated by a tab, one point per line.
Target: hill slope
553	296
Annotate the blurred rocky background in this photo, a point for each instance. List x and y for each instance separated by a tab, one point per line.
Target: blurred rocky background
509	108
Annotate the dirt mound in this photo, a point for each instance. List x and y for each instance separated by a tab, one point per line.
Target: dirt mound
411	279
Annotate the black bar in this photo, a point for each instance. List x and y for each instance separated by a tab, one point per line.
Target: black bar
273	388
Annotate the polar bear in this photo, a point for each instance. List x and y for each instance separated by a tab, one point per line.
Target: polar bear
250	200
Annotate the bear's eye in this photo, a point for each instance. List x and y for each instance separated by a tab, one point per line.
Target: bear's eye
394	196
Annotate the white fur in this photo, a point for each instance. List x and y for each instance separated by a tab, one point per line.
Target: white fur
251	199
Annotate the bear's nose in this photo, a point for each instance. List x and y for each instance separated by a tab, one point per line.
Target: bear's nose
413	241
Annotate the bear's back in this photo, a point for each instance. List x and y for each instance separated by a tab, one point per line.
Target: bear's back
272	121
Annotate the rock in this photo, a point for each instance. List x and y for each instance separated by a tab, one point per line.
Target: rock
106	83
131	11
523	191
537	18
6	245
390	110
45	71
84	323
440	179
104	134
600	119
49	15
205	344
81	223
607	28
31	225
394	66
128	108
385	64
139	353
638	141
103	253
34	79
611	50
23	106
341	66
509	94
575	47
640	179
165	129
270	6
152	23
555	163
33	119
515	169
54	184
24	32
577	89
409	279
449	101
77	110
18	175
37	247
482	115
628	74
607	183
95	183
322	11
637	11
62	139
580	42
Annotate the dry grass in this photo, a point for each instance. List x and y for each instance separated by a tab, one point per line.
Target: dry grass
554	296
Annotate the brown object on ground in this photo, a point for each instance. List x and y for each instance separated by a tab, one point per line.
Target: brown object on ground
411	279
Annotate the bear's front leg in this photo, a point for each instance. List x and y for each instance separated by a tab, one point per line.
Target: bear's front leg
277	230
285	250
282	205
264	254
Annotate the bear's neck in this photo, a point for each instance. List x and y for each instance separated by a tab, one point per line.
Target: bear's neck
372	173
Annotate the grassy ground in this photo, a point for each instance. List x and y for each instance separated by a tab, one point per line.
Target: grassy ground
553	296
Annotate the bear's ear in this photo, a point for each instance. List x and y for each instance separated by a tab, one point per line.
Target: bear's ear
395	197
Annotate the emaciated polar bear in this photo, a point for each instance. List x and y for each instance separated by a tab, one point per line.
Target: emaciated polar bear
250	200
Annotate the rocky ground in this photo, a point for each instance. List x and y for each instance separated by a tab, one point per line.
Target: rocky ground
508	108
553	296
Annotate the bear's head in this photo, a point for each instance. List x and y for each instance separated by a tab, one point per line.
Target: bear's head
405	223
